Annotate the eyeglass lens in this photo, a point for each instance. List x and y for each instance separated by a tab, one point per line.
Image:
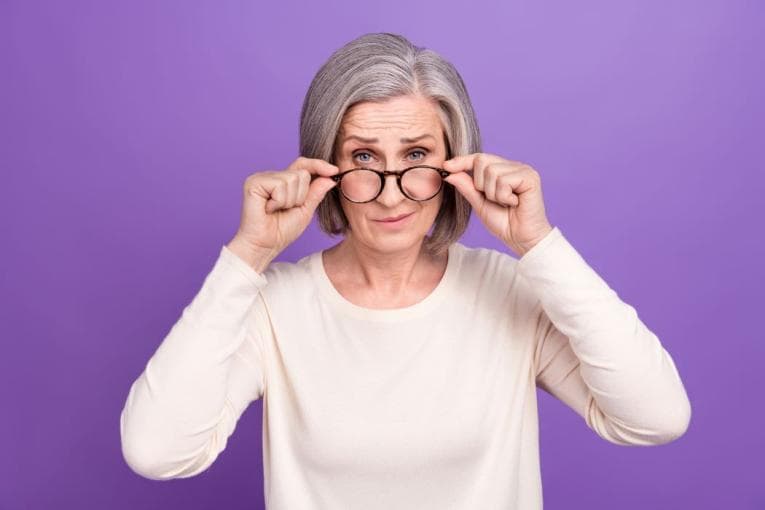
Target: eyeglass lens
419	183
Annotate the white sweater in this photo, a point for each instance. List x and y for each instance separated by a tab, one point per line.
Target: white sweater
431	406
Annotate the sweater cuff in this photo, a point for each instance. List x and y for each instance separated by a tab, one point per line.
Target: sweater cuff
226	293
539	249
232	261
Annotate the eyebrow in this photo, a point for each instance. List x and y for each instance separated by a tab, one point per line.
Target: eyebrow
375	140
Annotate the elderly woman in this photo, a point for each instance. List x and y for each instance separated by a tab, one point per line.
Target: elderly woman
398	367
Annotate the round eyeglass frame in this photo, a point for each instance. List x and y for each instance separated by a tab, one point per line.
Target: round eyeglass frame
398	173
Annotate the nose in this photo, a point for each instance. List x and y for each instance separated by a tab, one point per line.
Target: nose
390	195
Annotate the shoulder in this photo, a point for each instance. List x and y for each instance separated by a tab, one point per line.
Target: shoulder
492	274
283	275
485	262
492	277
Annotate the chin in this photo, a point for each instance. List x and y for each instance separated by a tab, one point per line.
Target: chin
391	242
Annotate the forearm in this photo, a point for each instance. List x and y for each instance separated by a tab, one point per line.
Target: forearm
176	405
638	393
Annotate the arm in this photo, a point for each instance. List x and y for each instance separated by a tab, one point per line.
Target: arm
181	410
596	355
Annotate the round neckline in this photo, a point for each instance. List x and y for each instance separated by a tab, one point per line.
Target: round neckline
385	314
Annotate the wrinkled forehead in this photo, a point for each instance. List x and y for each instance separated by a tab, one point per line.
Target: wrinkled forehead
391	122
395	116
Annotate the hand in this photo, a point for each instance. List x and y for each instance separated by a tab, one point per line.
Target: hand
506	195
277	208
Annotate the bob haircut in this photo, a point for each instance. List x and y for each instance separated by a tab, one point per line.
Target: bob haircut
377	67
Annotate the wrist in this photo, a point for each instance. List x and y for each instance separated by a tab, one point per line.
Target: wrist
257	258
528	246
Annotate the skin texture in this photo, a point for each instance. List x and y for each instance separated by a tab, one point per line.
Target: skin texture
506	195
378	268
374	266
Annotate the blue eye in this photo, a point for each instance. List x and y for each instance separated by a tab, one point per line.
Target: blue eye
358	155
362	154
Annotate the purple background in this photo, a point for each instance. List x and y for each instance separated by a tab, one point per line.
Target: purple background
127	132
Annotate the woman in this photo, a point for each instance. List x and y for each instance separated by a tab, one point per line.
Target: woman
398	368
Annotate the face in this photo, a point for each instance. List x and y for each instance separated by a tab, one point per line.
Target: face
383	125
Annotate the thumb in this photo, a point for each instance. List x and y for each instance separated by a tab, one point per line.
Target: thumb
316	191
464	184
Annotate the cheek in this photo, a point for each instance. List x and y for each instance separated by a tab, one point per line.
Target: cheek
354	212
428	213
435	205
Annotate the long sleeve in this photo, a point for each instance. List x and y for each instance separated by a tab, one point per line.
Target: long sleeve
181	410
596	355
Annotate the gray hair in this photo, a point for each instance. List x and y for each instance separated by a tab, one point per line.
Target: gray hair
376	67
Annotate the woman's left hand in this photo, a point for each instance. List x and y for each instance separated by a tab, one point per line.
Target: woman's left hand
506	195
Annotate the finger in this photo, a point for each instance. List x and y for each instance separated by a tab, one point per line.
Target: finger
316	191
278	197
522	179
305	182
509	198
476	162
505	193
460	163
465	185
293	187
479	172
259	186
314	166
490	176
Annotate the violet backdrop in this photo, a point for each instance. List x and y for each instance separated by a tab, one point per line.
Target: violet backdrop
128	129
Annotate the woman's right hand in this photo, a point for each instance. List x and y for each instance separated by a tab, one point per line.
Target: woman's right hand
277	207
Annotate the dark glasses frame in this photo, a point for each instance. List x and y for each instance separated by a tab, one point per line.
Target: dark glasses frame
382	173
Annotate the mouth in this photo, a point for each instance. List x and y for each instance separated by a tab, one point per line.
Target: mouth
394	219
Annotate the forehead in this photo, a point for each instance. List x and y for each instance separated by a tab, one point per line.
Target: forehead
401	115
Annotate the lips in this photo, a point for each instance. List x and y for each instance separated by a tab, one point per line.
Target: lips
395	218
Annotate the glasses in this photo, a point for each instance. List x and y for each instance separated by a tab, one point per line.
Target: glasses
418	183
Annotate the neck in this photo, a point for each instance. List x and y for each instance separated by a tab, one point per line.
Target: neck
385	272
